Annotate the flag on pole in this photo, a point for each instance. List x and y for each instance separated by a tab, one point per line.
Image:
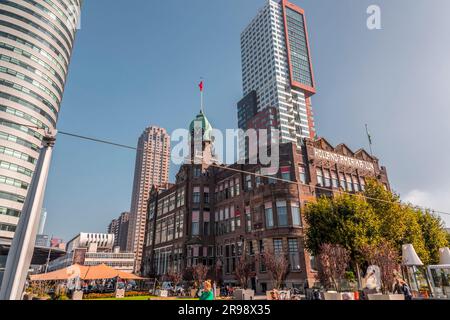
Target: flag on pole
201	86
369	136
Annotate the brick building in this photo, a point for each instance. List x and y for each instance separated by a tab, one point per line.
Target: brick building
214	213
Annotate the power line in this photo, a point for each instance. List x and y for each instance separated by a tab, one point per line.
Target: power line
224	167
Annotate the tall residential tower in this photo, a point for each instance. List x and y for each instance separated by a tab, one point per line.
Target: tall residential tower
152	169
36	42
277	72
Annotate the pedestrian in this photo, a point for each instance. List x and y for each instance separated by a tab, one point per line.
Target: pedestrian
214	290
207	291
401	287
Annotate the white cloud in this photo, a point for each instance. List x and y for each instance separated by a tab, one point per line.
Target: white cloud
436	200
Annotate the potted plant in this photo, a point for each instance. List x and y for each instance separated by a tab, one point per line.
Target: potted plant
386	258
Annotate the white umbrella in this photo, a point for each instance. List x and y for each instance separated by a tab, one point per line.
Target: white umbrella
445	256
410	257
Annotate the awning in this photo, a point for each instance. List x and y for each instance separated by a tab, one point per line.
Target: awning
99	272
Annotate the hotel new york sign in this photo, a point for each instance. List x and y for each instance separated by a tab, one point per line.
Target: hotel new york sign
343	160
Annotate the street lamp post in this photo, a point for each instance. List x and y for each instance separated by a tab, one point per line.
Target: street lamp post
21	252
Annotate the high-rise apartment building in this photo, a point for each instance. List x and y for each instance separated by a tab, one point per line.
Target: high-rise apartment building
36	42
119	228
276	65
151	169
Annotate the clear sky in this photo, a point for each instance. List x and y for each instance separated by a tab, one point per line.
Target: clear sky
137	63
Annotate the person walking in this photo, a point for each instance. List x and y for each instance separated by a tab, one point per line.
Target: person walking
207	291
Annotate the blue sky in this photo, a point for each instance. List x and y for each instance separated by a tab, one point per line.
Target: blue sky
139	64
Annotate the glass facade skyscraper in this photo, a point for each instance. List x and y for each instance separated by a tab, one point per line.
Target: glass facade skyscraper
36	42
276	64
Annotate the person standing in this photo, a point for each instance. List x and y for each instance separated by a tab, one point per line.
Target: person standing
207	291
214	290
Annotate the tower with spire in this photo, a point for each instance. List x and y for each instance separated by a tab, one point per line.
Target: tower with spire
201	138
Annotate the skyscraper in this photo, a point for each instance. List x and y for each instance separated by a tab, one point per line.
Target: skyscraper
151	169
276	64
119	228
36	42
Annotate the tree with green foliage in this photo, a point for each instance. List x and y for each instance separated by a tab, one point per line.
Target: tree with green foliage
399	223
377	215
434	234
345	220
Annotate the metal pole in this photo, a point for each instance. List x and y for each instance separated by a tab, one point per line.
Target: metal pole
21	252
48	258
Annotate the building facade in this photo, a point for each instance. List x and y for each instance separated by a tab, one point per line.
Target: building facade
119	228
214	214
36	42
92	249
277	66
151	169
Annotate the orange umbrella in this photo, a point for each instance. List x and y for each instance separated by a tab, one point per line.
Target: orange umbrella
62	274
100	272
129	276
85	273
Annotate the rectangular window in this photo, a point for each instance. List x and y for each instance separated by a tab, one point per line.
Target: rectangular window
363	183
282	214
195	223
343	182
278	246
231	188
237	187
296	218
302	174
286	173
334	179
269	215
181	196
248	220
197	172
327	180
349	182
195	228
294	255
170	229
248	182
206	227
320	181
196	197
356	184
258	179
172	202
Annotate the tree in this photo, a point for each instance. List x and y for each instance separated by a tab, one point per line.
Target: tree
398	223
333	263
200	273
386	257
244	271
174	277
345	220
277	265
434	234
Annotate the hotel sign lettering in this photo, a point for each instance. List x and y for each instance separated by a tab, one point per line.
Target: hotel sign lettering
343	160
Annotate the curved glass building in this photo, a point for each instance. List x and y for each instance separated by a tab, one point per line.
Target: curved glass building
36	42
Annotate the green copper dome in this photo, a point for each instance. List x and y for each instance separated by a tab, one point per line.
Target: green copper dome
205	125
